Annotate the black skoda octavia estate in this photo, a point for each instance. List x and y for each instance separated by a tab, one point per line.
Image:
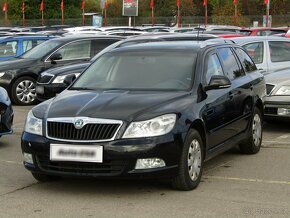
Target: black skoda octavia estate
158	109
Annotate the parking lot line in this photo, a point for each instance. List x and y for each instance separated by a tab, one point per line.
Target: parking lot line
11	162
247	180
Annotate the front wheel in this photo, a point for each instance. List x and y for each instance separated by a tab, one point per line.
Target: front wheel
253	144
23	91
191	163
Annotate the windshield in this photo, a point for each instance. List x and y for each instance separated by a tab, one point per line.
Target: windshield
41	50
140	70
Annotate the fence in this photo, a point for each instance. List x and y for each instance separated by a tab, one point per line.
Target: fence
277	20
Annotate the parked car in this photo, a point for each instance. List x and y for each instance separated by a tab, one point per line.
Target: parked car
18	76
6	113
268	52
51	81
14	46
262	31
150	109
277	101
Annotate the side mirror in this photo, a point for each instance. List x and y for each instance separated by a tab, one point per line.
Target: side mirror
55	57
218	82
69	79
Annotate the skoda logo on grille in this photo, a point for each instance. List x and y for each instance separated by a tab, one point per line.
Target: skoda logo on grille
79	123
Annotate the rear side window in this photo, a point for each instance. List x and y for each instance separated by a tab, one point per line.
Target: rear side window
214	67
231	66
279	51
99	45
247	62
256	51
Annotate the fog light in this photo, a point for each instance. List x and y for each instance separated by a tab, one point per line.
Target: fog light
283	111
28	158
149	163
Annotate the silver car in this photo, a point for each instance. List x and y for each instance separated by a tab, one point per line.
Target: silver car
277	101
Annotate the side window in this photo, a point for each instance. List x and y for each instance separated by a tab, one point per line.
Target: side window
8	48
99	45
76	50
214	67
279	51
231	66
247	62
27	45
256	51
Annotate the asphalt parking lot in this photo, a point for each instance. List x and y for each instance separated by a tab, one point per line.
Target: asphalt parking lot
233	185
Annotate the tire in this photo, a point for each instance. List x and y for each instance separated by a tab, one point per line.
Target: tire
45	178
252	145
191	163
23	91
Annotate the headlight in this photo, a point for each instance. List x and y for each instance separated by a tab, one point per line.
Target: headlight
33	125
283	90
60	79
154	127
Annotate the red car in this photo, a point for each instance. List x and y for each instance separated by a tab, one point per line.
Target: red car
262	31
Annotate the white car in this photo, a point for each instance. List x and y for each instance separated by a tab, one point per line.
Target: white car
268	52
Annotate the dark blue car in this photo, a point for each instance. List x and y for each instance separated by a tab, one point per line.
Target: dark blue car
14	46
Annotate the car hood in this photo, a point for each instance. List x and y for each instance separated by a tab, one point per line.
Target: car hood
67	69
16	63
115	104
279	77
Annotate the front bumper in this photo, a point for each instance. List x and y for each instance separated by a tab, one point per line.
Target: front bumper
47	91
119	157
274	104
6	119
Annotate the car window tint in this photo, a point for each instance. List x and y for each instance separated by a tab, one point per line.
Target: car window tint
230	63
99	45
76	50
256	51
214	67
247	62
8	48
279	51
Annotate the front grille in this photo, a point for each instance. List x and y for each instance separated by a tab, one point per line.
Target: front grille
108	167
45	79
271	110
90	132
269	88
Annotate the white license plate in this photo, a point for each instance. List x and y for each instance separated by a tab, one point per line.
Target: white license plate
76	153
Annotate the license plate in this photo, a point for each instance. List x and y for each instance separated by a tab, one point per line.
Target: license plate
39	89
76	153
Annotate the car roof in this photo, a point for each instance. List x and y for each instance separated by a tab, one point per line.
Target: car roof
27	37
83	36
193	46
241	40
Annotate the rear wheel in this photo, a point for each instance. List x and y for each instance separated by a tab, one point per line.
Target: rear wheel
24	91
191	163
253	144
45	178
